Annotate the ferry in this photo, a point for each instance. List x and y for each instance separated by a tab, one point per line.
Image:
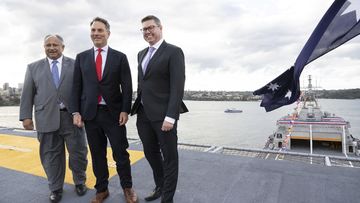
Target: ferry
309	128
233	110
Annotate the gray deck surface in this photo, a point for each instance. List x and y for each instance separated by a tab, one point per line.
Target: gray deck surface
211	178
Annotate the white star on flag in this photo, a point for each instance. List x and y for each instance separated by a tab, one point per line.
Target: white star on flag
273	87
288	94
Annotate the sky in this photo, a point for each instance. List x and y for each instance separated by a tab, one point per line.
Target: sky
229	45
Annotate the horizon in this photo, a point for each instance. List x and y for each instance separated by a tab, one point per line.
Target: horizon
301	88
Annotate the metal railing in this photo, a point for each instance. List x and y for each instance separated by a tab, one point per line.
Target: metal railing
318	159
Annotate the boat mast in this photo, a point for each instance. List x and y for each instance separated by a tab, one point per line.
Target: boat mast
344	141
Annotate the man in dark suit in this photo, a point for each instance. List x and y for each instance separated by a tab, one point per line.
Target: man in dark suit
102	94
161	78
47	87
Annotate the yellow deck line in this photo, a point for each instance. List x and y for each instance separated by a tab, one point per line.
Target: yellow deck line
22	154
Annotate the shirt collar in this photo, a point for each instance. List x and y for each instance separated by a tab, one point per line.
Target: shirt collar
104	49
59	60
157	44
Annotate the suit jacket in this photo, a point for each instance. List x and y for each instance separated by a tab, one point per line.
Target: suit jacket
161	89
39	91
115	86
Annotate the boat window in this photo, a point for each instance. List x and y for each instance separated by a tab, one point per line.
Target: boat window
279	135
310	115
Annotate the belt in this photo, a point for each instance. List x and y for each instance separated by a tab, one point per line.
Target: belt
64	109
102	107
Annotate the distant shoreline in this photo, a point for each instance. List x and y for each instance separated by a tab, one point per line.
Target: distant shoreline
17	105
12	98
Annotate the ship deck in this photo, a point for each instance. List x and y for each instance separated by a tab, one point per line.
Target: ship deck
208	174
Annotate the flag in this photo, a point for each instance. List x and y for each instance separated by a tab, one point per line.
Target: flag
336	27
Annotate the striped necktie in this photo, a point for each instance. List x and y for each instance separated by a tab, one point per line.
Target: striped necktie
148	57
55	73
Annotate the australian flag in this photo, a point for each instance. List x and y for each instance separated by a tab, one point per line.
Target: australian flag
335	28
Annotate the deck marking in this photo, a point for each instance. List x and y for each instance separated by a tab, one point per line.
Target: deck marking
22	154
24	131
14	148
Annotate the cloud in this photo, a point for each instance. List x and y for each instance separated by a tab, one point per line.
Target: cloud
229	44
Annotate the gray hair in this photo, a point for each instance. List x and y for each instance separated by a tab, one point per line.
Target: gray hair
56	35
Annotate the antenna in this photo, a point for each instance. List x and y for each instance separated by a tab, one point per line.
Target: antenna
309	85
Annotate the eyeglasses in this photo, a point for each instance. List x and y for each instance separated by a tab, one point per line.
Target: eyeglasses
150	28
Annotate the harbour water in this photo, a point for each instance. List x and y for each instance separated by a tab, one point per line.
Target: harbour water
206	123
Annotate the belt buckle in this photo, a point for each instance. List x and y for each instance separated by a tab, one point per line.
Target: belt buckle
102	106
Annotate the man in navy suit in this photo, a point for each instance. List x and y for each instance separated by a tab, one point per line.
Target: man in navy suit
161	78
102	94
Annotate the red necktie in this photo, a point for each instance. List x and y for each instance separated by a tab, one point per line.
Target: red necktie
98	62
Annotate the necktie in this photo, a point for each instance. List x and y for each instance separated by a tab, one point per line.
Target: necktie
55	73
98	63
148	57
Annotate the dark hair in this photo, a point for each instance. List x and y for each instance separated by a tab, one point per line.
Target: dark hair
56	35
107	25
151	17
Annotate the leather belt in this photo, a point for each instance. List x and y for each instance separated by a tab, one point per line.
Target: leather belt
64	109
102	107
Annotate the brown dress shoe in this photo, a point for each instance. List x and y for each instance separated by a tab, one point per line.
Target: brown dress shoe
100	197
130	195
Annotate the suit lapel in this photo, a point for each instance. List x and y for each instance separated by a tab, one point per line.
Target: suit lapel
155	57
64	69
91	62
141	58
107	62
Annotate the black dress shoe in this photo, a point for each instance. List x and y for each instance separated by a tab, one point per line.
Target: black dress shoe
154	195
80	189
55	196
162	201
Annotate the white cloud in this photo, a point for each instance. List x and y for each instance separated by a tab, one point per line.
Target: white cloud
228	45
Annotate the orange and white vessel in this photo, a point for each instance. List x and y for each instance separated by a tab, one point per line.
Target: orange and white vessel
309	129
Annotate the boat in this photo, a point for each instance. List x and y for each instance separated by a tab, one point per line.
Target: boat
310	128
233	110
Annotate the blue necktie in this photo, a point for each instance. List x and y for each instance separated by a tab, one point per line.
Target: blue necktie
55	73
148	57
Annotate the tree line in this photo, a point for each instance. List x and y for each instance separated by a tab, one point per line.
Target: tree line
245	96
339	94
